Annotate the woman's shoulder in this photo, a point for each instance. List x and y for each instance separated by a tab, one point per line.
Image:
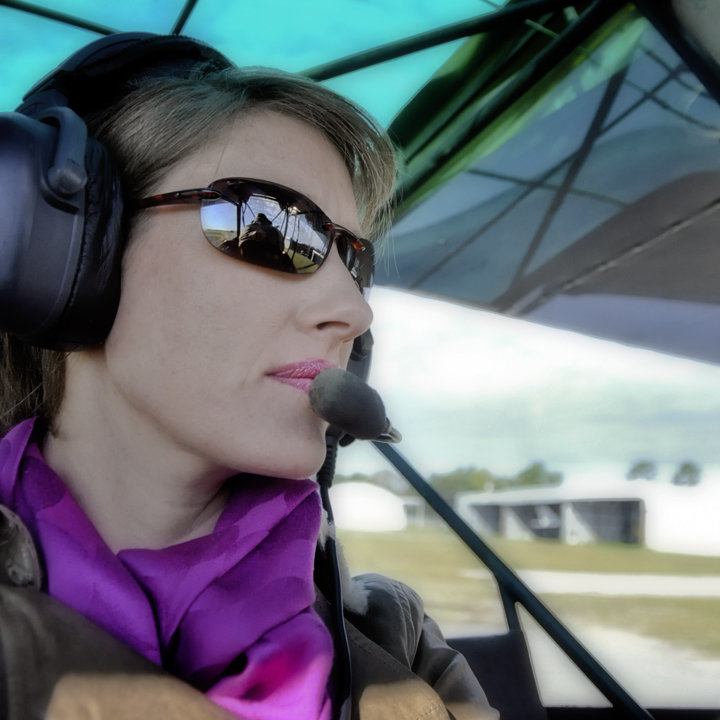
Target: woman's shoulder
19	562
391	612
393	619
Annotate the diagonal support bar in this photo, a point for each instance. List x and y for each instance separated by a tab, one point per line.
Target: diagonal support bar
516	590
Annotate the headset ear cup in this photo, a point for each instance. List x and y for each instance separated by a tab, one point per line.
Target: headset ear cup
60	246
93	301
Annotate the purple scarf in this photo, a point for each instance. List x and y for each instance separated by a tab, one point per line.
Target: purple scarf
231	612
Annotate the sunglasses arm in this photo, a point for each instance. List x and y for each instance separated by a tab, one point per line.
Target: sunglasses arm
181	197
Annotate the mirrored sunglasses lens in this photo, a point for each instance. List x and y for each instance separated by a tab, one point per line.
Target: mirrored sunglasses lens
309	245
260	231
219	223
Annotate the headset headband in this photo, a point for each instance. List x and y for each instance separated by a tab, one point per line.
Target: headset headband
89	76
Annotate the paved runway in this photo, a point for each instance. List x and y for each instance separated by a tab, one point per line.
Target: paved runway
657	673
545	581
614	584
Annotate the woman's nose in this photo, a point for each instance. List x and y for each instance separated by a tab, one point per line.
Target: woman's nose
335	305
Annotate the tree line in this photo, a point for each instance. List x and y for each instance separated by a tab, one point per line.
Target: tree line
463	479
688	473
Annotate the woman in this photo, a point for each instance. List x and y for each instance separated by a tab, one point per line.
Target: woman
163	480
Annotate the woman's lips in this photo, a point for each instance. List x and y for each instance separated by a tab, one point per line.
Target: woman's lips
301	374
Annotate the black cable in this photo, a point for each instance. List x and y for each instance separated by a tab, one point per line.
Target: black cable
343	689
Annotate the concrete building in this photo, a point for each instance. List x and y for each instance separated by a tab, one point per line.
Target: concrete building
658	515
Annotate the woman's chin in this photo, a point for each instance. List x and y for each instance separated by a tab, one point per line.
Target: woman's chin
302	464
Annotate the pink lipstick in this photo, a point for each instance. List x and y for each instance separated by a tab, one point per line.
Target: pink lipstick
301	374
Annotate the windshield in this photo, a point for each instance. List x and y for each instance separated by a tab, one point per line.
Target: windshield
591	467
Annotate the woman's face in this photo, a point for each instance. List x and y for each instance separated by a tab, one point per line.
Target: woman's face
199	336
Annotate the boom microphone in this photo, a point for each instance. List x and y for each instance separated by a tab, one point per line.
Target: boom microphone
351	405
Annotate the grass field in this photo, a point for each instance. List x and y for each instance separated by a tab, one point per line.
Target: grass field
435	563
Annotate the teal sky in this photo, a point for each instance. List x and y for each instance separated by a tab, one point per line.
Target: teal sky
293	36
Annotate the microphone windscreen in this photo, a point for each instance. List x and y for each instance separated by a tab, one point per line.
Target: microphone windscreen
348	403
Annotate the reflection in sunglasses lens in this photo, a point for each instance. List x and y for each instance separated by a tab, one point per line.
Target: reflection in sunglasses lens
291	237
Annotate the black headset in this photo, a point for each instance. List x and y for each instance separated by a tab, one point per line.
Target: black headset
61	200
